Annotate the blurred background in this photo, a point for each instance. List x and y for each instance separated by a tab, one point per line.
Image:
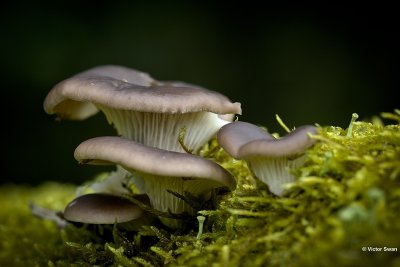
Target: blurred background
309	64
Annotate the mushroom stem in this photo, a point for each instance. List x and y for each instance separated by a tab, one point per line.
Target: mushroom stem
164	201
162	130
275	172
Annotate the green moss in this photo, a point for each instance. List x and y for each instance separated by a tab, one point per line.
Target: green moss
346	196
24	239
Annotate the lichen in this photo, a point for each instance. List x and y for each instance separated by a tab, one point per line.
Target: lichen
346	196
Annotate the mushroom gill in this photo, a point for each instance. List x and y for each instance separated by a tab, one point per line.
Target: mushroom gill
142	109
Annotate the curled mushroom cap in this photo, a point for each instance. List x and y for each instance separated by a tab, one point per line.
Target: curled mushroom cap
102	209
269	158
67	99
142	109
157	170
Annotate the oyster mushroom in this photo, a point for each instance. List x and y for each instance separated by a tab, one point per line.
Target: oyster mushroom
100	208
58	100
270	159
156	171
115	183
142	109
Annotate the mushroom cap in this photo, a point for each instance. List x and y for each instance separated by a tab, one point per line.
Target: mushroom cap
244	140
137	157
101	208
122	88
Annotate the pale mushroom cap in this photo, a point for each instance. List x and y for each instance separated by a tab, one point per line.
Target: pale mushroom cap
58	101
244	140
137	157
268	158
102	209
121	88
119	73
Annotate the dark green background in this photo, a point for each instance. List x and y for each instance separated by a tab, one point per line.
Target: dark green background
307	63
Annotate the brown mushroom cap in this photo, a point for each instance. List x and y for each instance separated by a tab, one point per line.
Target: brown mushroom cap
125	89
102	209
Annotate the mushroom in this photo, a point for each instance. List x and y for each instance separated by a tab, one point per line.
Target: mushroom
101	208
270	159
116	183
157	171
142	109
59	101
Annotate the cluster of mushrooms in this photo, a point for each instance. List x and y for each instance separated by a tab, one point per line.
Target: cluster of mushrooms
150	150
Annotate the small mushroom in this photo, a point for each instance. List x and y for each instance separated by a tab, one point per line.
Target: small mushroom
156	171
269	158
142	109
116	183
100	208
